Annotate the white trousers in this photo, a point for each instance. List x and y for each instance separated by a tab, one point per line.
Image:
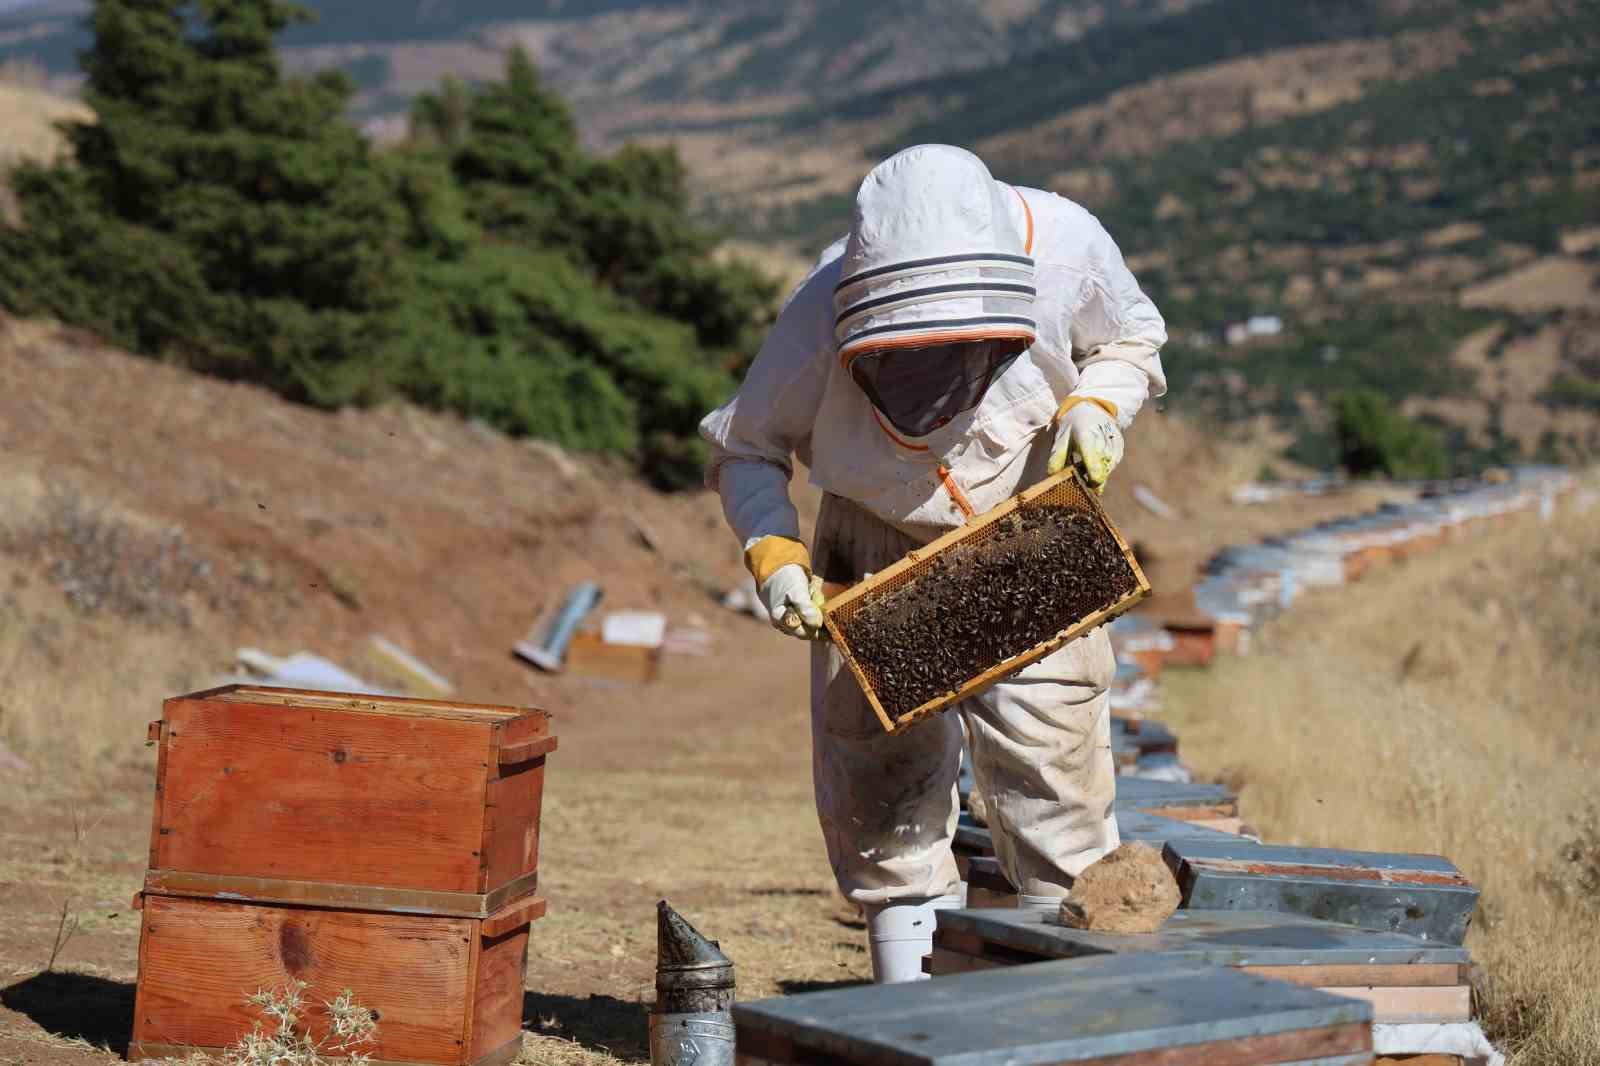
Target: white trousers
1040	744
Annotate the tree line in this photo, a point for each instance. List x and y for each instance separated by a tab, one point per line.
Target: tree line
220	214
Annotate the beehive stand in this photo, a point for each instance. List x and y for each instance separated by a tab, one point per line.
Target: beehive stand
387	846
1065	490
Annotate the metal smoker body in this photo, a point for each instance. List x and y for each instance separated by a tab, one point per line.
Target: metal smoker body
691	1023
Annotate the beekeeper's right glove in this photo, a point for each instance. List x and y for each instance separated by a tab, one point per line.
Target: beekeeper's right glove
1087	436
792	595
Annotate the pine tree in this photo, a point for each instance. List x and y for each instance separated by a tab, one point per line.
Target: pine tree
218	212
521	158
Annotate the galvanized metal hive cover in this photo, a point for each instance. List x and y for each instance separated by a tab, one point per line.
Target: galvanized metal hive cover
1070	1010
1151	735
1136	793
1220	938
1157	831
1421	895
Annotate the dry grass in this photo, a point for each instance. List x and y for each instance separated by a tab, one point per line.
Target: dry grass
1446	706
77	680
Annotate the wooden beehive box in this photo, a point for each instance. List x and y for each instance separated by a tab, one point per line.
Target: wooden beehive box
288	796
382	845
1406	979
1129	1010
1194	643
849	615
446	991
1419	895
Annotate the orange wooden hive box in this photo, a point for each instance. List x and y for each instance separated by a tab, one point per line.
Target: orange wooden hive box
384	845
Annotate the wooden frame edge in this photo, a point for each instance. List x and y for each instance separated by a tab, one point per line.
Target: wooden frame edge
334	896
1000	671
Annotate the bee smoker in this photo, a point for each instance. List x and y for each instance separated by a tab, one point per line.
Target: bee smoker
691	1023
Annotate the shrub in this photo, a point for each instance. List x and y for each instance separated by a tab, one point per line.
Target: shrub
1374	438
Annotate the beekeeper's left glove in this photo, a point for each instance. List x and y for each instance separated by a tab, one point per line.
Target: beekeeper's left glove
791	593
1087	435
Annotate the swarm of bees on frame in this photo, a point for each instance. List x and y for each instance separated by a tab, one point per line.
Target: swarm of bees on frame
1037	572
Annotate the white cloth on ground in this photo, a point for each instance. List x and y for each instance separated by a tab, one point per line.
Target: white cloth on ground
1464	1039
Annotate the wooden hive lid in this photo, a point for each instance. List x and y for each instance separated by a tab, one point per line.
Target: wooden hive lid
1069	1010
353	703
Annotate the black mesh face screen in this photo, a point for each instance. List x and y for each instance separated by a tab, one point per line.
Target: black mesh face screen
920	389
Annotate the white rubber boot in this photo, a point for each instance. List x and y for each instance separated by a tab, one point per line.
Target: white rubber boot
900	933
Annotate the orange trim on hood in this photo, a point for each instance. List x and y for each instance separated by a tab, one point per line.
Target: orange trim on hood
924	340
892	435
1027	244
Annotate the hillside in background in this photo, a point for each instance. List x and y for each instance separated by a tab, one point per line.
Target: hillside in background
1400	194
1389	195
625	59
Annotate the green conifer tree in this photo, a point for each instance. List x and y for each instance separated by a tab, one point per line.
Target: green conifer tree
218	212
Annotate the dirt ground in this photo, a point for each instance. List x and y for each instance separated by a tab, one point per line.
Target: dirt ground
151	522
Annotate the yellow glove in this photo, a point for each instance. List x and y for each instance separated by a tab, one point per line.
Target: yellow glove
791	593
1087	435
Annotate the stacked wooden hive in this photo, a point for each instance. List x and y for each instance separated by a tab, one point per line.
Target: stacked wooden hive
384	846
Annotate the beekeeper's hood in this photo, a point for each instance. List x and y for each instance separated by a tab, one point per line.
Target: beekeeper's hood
934	257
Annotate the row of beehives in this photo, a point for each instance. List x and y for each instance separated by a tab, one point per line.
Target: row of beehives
1245	585
1279	954
1314	956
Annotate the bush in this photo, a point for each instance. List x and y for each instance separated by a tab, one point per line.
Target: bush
1374	438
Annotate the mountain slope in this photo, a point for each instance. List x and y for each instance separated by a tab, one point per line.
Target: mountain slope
631	53
1377	188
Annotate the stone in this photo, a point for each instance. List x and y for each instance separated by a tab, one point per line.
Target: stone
1128	891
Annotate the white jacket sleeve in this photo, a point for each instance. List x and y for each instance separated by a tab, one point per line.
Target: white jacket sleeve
755	435
1117	333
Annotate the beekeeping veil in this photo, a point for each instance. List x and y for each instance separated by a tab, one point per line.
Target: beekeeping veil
937	288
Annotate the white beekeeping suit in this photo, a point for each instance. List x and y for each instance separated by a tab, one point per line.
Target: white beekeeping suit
959	342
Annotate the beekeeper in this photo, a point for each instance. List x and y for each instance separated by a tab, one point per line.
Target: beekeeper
965	340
